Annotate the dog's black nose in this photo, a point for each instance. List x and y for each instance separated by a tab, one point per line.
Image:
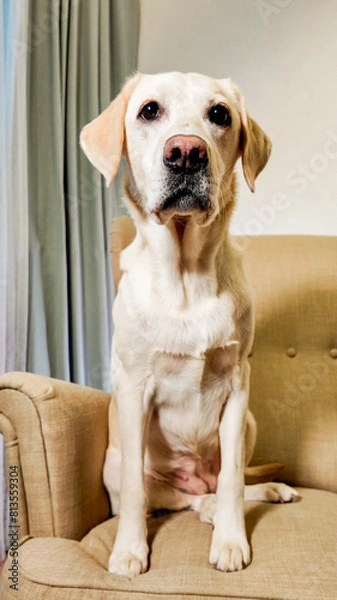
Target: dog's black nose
185	153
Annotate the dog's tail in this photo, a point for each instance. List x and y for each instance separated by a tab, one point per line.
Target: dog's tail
263	473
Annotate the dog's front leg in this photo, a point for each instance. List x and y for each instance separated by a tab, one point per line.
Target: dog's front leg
130	551
230	550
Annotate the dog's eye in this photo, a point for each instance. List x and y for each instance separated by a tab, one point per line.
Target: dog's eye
220	115
150	111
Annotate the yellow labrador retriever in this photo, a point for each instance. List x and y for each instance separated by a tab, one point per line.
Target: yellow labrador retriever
183	313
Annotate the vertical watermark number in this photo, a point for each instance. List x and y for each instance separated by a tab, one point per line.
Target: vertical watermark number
13	527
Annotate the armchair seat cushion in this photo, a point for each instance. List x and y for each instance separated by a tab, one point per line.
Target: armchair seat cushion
294	557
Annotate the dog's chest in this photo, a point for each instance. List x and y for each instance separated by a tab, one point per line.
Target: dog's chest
178	378
189	395
183	343
166	324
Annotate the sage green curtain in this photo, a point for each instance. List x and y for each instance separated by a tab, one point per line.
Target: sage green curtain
80	51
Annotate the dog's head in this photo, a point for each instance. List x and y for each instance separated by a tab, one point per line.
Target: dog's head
181	135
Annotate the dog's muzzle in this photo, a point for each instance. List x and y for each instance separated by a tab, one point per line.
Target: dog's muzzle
186	180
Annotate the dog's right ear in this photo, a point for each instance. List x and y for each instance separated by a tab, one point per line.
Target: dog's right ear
102	140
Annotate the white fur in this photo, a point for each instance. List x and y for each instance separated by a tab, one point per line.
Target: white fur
183	322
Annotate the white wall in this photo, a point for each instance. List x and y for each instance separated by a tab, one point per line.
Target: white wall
283	56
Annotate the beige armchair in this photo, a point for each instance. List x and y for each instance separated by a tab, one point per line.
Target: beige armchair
56	436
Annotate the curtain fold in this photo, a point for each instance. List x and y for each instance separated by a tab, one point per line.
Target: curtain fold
13	187
80	53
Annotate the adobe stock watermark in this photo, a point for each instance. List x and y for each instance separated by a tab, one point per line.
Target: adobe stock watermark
265	216
48	19
305	173
297	388
13	527
300	177
102	372
268	9
90	189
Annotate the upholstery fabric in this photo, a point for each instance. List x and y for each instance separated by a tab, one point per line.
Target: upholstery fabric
294	358
58	425
290	560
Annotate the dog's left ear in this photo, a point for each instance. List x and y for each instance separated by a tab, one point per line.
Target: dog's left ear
255	150
255	146
102	139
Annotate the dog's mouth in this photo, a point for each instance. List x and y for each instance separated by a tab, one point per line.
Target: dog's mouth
183	195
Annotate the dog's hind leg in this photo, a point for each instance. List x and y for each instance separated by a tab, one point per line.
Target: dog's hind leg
271	491
162	495
250	437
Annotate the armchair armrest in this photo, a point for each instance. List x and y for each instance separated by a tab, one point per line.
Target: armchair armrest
56	434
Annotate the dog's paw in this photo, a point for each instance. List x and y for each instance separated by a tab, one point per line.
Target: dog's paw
205	505
280	492
229	555
271	492
129	564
